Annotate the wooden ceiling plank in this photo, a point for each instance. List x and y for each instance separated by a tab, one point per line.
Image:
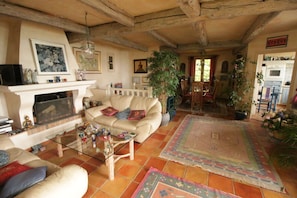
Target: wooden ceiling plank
154	21
258	26
190	7
234	8
124	42
199	27
213	45
162	39
110	10
39	17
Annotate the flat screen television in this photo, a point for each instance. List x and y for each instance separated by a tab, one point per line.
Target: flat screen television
11	74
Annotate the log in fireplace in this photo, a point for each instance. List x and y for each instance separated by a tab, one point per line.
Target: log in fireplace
54	106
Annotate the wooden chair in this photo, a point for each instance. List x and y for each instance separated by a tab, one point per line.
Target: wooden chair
210	97
197	96
185	91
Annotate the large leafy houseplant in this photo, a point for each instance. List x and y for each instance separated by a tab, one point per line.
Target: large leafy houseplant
282	126
163	75
241	87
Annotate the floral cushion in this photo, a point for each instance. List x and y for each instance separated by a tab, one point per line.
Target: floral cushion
136	115
109	111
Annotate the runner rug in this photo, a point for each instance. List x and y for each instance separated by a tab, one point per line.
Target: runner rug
159	184
225	147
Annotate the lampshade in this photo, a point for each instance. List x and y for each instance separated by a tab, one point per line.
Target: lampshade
87	46
88	49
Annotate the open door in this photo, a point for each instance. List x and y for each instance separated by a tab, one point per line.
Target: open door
273	92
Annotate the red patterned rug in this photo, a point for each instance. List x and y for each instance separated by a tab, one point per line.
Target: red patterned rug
225	147
158	184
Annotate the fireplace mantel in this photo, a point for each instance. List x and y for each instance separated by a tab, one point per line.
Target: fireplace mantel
20	99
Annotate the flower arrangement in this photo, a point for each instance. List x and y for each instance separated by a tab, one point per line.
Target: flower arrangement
282	125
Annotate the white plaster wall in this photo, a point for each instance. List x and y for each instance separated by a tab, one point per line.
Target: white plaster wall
3	48
30	30
258	46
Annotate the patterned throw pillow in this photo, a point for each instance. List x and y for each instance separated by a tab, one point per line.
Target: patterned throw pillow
4	157
136	115
10	170
109	111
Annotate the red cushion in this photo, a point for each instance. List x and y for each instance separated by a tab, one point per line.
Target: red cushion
12	169
109	111
136	115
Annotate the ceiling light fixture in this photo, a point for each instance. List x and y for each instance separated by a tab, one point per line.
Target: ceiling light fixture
87	46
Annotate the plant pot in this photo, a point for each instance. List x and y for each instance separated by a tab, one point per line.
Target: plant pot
240	115
165	119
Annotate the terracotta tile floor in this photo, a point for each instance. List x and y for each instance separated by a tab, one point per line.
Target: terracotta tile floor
128	174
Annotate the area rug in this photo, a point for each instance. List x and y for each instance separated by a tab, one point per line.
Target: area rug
220	109
159	184
225	147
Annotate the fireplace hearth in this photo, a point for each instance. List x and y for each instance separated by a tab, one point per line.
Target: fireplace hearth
52	107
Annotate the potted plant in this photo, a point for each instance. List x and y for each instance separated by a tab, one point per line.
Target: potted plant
241	89
282	126
164	76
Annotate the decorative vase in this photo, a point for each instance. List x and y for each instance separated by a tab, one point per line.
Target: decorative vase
165	119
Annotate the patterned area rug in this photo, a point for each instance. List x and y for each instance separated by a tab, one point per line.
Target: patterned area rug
225	147
158	184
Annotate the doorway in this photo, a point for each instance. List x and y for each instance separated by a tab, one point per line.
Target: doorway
272	93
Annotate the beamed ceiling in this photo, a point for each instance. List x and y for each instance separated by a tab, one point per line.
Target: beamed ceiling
184	25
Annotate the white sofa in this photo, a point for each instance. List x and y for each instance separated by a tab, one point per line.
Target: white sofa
69	181
143	128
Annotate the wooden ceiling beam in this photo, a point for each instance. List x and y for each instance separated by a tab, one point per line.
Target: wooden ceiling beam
199	27
234	8
124	42
40	17
190	7
258	26
214	45
110	10
162	39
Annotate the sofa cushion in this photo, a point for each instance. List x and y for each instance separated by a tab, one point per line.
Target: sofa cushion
120	102
10	170
109	111
22	181
105	120
4	157
143	103
136	115
123	115
125	125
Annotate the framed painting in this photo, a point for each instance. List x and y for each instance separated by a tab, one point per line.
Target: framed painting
89	65
110	62
140	66
50	58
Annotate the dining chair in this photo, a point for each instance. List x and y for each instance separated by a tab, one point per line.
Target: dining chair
210	97
197	96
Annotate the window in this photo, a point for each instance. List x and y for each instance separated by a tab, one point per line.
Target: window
202	70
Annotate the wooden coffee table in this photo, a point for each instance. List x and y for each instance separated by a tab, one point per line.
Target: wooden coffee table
103	147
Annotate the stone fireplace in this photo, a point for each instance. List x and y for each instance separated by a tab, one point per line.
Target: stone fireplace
20	99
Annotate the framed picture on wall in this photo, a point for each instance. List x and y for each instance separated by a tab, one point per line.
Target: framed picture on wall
110	62
140	66
89	65
50	58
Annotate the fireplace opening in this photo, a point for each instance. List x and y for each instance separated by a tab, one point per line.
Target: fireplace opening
52	107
